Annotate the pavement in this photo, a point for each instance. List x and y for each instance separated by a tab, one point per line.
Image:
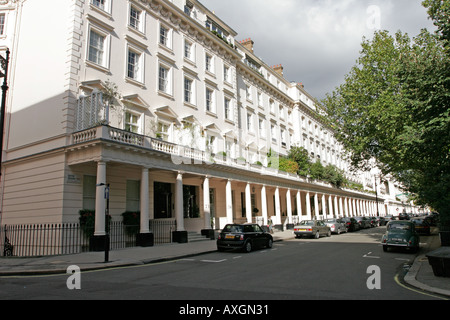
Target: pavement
420	274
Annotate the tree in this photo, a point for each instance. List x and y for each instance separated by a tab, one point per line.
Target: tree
394	107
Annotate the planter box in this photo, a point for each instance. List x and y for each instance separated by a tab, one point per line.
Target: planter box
144	240
180	236
445	238
440	262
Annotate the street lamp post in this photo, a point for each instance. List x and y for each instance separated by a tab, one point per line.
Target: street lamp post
4	63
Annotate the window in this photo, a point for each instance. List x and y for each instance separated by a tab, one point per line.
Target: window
164	79
248	92
131	122
260	99
249	122
2	24
164	36
97	48
211	143
272	106
134	65
99	3
210	103
89	192
283	137
228	110
136	19
163	131
104	5
209	63
189	50
262	127
133	195
273	131
226	74
188	90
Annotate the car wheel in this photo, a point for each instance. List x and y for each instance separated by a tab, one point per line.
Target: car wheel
385	248
317	235
269	243
248	247
329	233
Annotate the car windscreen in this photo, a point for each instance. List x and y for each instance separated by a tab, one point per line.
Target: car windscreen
399	226
233	228
307	223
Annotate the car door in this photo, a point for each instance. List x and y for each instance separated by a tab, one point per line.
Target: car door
322	227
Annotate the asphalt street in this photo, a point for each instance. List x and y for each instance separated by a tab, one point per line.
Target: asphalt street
348	267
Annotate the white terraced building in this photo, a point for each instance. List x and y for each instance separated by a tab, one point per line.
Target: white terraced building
184	137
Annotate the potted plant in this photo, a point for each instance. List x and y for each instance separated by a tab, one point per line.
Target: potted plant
131	220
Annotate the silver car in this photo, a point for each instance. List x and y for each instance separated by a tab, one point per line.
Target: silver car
312	228
336	225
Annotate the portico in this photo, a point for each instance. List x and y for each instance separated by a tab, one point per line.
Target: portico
202	196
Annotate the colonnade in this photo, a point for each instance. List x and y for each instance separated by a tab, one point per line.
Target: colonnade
308	204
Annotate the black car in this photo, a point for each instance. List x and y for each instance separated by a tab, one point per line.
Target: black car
351	223
364	223
403	216
243	236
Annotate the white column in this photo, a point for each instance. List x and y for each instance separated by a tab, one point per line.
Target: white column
229	202
337	213
324	207
179	202
316	206
206	204
350	209
299	205
341	208
289	205
248	203
100	202
145	214
308	206
264	204
355	213
277	207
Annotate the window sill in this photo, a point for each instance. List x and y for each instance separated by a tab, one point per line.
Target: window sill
98	67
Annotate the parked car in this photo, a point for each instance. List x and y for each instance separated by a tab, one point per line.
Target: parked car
422	225
374	222
386	219
351	224
402	234
363	222
243	236
312	228
336	225
403	216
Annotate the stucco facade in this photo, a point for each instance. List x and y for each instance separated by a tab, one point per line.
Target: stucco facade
194	111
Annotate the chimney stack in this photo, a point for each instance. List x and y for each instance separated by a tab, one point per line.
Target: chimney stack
279	69
248	44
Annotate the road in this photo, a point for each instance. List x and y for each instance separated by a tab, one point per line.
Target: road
339	267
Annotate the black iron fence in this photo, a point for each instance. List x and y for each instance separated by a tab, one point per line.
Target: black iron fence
70	238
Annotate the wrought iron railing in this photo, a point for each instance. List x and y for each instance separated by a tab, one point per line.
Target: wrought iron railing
70	238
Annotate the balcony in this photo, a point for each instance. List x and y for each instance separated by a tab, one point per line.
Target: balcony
179	154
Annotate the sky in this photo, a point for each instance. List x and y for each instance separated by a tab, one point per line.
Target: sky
317	41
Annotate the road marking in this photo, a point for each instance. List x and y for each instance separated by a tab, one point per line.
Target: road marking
396	278
369	256
213	261
238	257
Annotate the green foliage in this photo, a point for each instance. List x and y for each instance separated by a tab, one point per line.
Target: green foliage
287	165
394	108
132	221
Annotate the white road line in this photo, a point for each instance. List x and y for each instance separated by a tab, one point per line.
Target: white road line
213	261
369	256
